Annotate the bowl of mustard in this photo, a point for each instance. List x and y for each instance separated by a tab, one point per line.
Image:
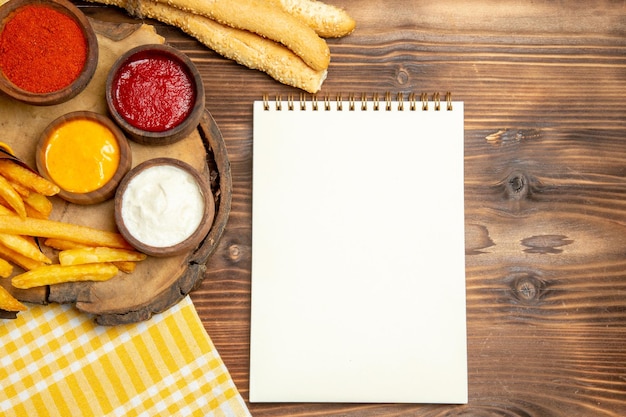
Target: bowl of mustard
85	154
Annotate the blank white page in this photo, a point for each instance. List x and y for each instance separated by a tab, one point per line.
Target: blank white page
358	255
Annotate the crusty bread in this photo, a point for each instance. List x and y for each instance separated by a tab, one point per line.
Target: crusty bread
244	47
326	20
265	19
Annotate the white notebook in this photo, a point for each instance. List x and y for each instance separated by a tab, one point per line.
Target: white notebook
358	255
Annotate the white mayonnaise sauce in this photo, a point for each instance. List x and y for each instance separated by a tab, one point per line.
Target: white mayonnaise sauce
162	206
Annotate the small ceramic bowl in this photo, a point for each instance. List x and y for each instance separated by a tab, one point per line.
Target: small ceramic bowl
14	74
164	207
85	154
155	93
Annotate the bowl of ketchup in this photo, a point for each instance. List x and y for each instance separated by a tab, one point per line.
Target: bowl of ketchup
155	94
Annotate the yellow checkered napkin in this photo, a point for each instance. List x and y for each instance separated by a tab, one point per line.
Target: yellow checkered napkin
55	361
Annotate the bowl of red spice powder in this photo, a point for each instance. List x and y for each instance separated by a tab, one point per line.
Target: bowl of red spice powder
48	51
155	94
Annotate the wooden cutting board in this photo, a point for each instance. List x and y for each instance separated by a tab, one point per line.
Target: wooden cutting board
157	283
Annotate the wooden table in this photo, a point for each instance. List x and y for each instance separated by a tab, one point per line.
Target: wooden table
544	86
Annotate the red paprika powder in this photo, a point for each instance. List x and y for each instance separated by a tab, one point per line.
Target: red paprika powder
41	49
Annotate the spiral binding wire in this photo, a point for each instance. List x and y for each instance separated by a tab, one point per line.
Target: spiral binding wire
412	102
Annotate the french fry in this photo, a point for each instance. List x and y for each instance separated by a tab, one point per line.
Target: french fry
125	266
40	203
6	269
20	189
326	20
11	197
66	231
98	255
8	302
31	212
18	259
27	178
3	146
266	20
243	47
4	210
61	244
56	274
24	247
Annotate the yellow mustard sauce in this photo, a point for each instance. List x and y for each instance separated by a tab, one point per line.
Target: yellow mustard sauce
81	155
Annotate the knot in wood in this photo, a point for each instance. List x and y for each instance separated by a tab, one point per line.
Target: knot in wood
507	137
234	252
527	288
402	76
546	244
518	186
517	183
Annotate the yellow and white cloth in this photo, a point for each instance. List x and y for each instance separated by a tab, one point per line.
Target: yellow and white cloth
55	361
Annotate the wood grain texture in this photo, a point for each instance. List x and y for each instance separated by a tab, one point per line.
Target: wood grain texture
545	171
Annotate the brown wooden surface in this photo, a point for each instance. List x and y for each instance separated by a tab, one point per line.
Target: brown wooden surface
544	86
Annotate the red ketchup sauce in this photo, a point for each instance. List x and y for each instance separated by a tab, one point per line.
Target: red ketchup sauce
153	92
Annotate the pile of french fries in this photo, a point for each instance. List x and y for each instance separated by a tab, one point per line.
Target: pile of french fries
283	38
84	253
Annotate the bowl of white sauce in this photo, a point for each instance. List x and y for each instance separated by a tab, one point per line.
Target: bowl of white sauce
164	207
